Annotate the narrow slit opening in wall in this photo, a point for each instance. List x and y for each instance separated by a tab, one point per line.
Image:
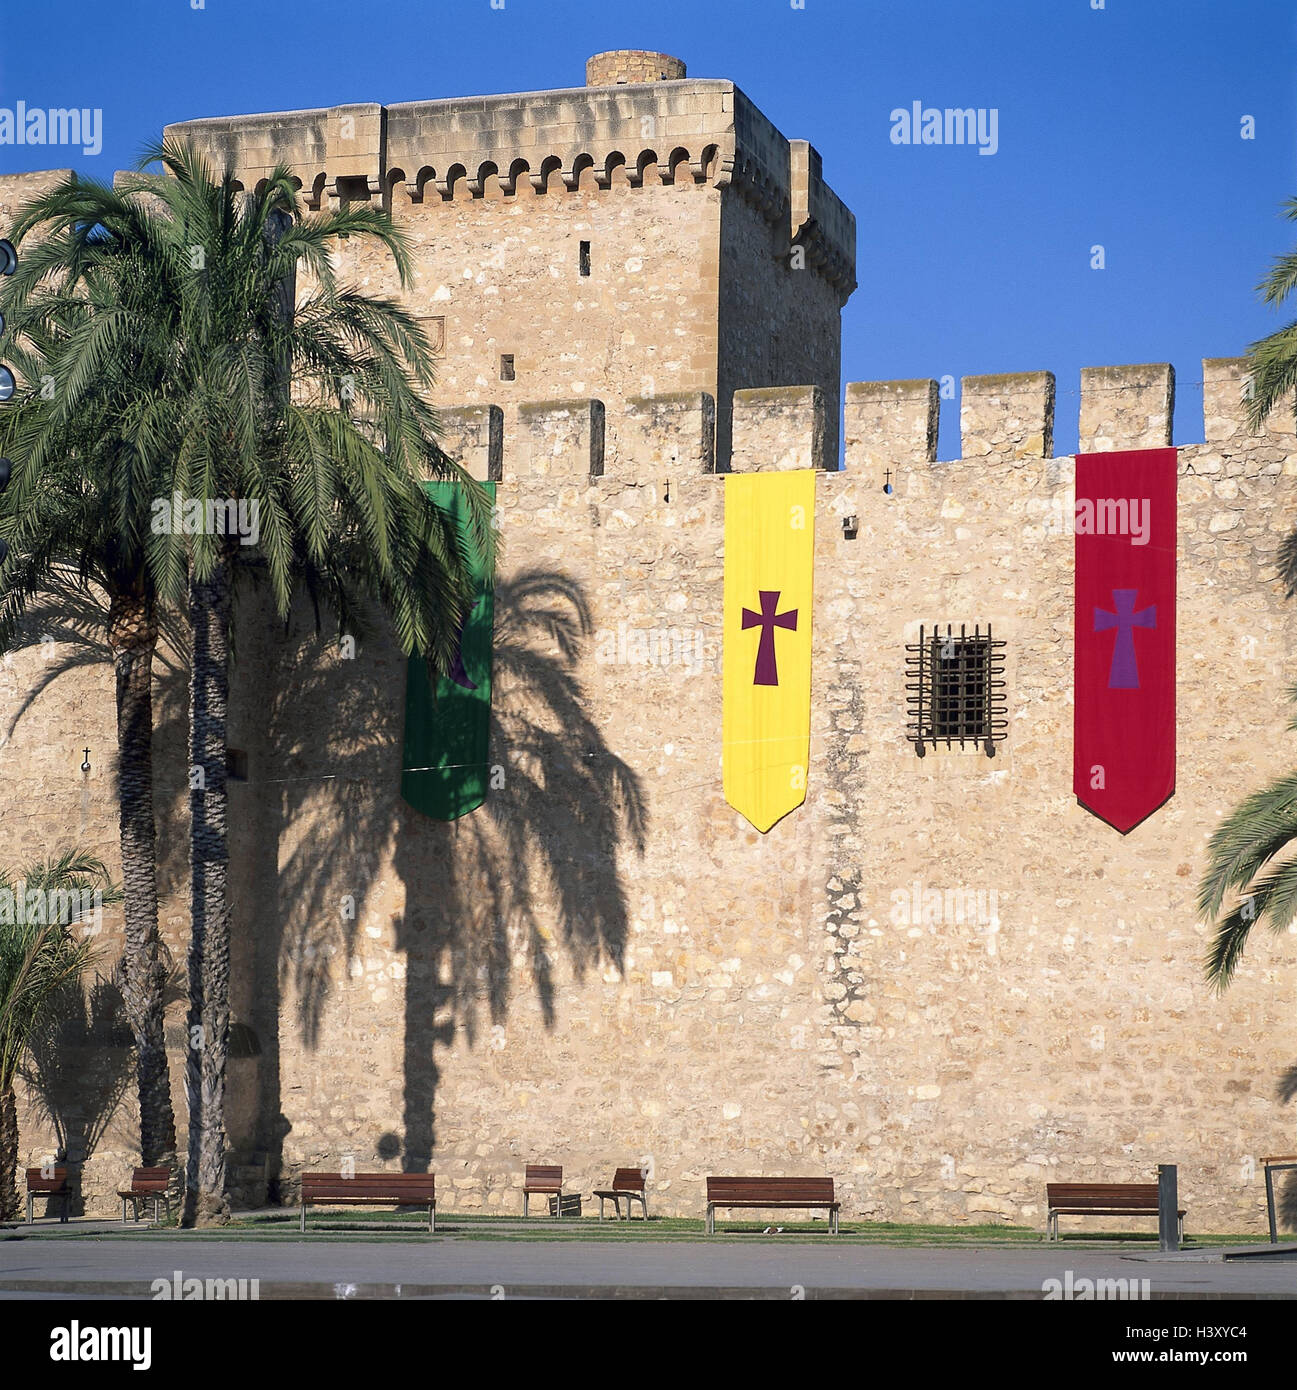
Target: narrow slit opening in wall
585	258
236	765
506	367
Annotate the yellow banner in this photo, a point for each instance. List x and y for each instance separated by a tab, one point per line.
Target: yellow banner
769	568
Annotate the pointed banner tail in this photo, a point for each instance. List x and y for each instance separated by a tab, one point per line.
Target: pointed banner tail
769	569
1123	745
445	763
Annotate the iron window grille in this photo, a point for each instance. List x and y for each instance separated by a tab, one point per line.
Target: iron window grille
955	689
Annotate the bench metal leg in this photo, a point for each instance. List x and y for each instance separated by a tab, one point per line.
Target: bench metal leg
711	1220
1269	1206
432	1217
526	1200
302	1223
29	1208
123	1211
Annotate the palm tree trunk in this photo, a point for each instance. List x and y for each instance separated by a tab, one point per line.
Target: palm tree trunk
209	949
133	638
10	1202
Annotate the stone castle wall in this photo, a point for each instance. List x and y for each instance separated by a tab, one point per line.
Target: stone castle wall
607	965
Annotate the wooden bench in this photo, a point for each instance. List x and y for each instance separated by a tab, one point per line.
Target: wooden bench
628	1184
1101	1199
543	1180
147	1184
370	1190
40	1186
770	1193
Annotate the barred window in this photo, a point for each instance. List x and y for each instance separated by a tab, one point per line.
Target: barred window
954	687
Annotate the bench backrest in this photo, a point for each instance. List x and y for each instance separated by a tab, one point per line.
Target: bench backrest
150	1180
1099	1196
36	1182
399	1187
628	1180
810	1190
542	1177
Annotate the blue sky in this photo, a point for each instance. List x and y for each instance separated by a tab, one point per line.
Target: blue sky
1118	126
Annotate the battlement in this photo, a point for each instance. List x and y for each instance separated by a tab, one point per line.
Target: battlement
1004	419
633	133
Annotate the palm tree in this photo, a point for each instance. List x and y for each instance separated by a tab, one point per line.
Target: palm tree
1272	360
1250	862
315	420
1249	857
39	955
76	517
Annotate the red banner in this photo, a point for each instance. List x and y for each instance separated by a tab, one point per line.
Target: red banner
1123	746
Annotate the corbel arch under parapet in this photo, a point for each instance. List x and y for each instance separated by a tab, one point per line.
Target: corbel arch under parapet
426	175
647	173
549	166
486	182
316	199
453	183
395	191
517	179
678	159
614	170
582	166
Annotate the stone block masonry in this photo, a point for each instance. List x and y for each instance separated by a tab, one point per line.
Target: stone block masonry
644	234
939	980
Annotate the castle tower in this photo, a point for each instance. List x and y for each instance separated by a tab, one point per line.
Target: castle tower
641	236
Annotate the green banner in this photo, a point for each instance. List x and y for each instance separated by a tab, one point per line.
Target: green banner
445	768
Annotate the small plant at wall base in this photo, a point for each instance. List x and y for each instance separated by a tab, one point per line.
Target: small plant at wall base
38	959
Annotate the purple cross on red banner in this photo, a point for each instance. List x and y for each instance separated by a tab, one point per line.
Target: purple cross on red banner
1123	673
1123	717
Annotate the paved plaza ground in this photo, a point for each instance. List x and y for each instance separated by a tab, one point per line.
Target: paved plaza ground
506	1259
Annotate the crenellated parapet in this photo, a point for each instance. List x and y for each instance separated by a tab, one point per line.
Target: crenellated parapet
890	422
778	428
1007	417
1127	407
1005	420
652	129
1224	407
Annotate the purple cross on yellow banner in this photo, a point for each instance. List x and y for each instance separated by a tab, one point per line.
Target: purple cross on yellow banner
769	568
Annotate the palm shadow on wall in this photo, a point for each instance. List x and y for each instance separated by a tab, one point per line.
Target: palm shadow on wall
491	898
79	1064
67	621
